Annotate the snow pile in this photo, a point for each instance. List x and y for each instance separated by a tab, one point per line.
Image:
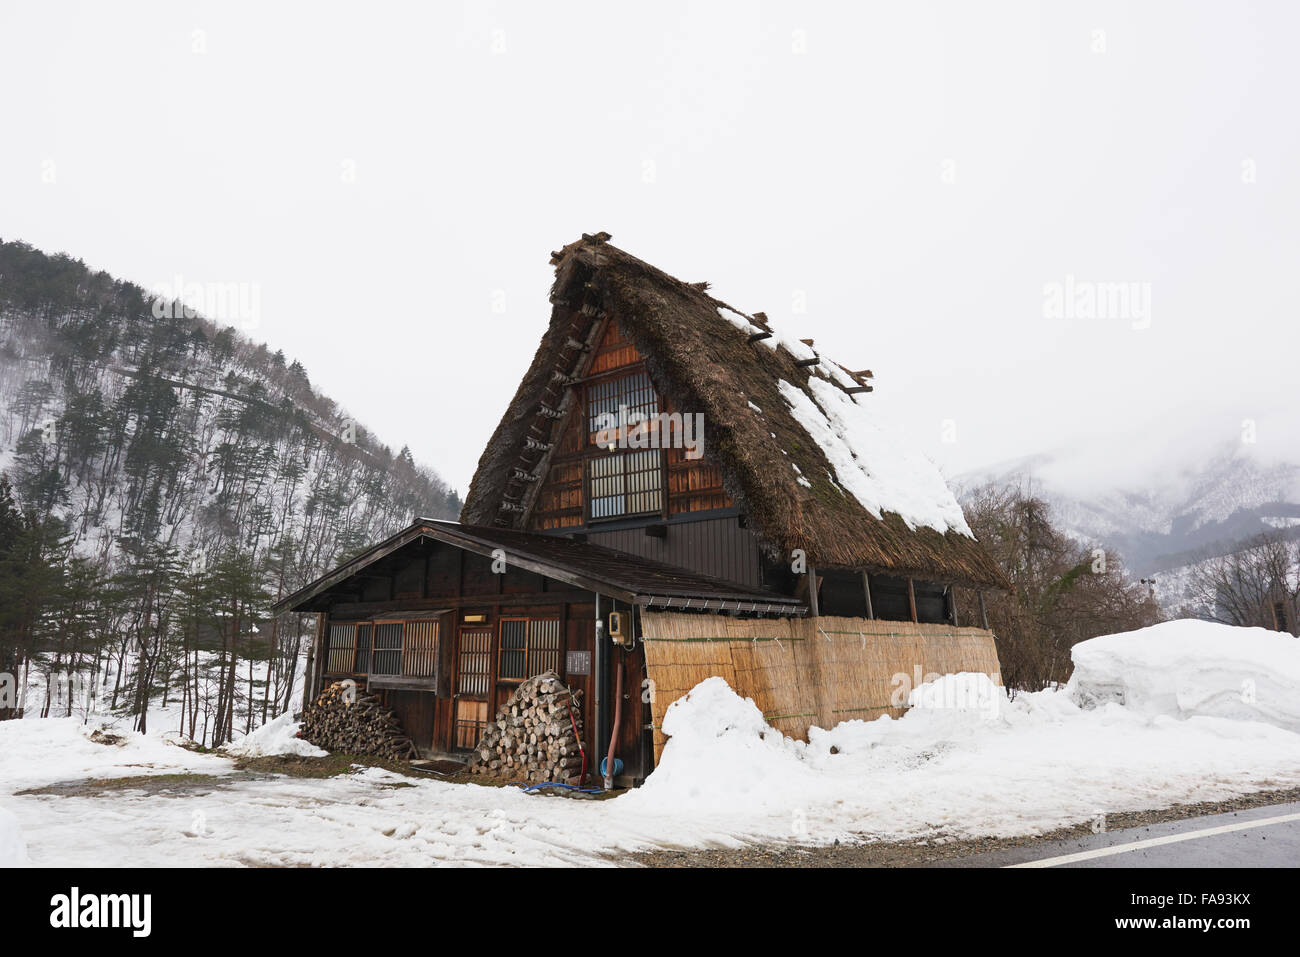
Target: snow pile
964	692
1192	668
721	754
275	737
871	462
13	852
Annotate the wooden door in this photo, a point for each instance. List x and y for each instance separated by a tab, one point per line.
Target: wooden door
473	685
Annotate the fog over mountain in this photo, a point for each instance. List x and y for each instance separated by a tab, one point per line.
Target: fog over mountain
1161	498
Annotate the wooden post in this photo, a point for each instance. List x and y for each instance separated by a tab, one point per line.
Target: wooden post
866	590
812	592
911	599
984	615
951	596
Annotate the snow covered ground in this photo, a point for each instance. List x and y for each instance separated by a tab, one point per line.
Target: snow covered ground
963	762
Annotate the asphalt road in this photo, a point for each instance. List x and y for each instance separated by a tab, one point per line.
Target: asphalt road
1257	837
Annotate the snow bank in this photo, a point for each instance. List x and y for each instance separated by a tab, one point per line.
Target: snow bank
1192	668
275	737
13	852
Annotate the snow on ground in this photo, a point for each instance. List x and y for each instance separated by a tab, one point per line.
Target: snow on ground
952	766
13	852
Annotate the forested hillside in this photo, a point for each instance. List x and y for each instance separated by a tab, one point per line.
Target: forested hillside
166	479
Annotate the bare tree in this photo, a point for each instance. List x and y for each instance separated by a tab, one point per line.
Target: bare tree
1254	586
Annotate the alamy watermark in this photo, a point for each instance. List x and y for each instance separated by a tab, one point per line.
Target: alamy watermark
228	303
1088	299
625	429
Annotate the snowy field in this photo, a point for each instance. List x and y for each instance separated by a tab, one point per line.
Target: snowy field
1184	711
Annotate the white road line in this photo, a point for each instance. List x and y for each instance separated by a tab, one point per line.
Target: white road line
1156	841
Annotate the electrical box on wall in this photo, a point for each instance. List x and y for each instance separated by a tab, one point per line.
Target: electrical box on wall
620	631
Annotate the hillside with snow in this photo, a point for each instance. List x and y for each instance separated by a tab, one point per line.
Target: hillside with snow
163	479
179	431
1187	507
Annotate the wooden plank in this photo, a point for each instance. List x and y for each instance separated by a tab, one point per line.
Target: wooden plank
911	599
402	682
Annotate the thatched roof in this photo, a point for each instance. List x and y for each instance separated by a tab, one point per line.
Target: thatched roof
798	452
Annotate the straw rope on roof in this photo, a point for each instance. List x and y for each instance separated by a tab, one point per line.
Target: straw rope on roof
792	432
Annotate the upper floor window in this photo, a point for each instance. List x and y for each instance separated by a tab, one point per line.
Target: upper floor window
629	480
622	403
625	483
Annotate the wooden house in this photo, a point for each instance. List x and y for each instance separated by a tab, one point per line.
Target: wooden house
719	489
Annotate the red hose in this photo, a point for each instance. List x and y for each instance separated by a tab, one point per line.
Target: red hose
613	734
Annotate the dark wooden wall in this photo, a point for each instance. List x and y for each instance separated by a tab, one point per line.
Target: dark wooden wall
425	577
718	547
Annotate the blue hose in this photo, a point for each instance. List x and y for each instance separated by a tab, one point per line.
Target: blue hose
533	788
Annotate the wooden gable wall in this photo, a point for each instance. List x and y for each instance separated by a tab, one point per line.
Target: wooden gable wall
691	485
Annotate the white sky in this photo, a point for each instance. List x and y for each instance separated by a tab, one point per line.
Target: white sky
914	172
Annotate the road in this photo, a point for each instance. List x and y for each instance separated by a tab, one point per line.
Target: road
1257	837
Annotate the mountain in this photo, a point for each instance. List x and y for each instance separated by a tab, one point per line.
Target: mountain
147	430
1199	502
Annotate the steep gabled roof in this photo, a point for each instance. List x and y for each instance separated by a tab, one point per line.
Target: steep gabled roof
801	454
630	578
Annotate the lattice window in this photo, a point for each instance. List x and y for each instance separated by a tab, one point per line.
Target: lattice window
386	658
529	646
514	648
543	646
342	647
623	402
474	669
627	483
363	649
420	648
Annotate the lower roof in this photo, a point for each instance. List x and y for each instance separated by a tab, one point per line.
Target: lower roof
630	578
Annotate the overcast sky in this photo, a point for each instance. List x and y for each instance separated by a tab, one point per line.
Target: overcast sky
910	184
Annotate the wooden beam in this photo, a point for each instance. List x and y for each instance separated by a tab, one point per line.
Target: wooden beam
984	615
911	599
813	607
950	596
758	336
410	605
854	390
804	363
866	590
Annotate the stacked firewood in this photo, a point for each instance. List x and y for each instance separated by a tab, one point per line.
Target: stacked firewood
343	718
536	736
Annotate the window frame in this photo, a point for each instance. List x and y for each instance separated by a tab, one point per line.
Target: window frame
529	649
428	654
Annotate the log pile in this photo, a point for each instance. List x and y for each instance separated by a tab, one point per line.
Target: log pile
345	718
533	736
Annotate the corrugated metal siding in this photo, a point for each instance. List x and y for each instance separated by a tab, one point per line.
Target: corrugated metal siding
717	547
